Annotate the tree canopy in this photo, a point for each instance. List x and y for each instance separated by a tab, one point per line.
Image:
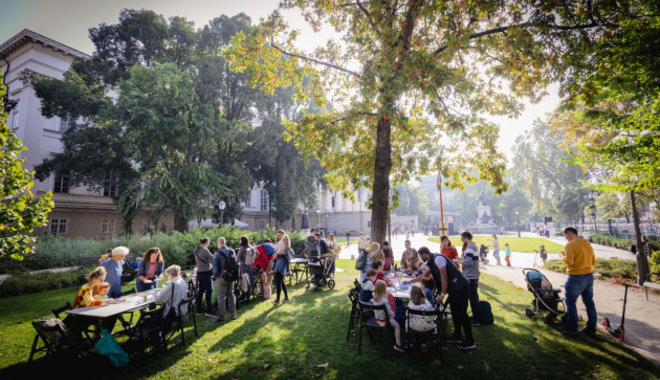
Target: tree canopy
411	81
20	211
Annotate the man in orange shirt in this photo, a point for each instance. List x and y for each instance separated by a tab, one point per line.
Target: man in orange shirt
580	261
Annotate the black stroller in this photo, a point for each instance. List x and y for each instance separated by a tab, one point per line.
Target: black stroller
546	298
321	272
483	254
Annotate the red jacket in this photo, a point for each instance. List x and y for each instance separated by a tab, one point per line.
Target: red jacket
262	259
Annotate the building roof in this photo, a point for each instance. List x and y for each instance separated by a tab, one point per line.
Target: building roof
26	35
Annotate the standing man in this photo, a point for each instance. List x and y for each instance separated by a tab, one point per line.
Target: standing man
348	238
114	267
362	243
224	288
580	260
312	244
471	272
449	280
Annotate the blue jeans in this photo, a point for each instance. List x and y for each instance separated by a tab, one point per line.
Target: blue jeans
205	285
580	285
496	254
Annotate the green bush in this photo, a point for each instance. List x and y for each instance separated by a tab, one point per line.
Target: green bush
654	264
619	243
177	248
608	268
25	283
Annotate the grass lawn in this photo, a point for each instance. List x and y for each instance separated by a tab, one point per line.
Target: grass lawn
518	244
297	340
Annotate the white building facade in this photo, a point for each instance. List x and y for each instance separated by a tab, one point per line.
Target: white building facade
78	212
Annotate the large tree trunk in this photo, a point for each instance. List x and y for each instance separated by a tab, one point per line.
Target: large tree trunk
180	223
381	186
642	261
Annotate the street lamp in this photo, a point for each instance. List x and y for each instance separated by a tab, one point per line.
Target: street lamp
221	207
518	222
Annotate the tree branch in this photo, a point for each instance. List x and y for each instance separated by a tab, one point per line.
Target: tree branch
333	66
503	29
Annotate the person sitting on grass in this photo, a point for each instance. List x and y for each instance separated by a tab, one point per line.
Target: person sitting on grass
101	291
419	302
380	298
428	287
378	267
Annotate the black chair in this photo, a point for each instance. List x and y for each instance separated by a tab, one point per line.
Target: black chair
357	284
186	310
56	340
418	337
255	282
354	318
147	330
60	310
368	322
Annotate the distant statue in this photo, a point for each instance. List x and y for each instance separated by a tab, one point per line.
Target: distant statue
485	218
481	199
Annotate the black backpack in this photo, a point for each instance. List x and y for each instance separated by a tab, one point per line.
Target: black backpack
485	313
230	271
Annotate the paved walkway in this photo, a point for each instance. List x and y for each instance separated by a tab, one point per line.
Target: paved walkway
642	316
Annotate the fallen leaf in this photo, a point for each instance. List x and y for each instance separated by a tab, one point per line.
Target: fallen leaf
220	361
252	368
266	366
459	367
324	365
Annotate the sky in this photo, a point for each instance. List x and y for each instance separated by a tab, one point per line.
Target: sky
68	21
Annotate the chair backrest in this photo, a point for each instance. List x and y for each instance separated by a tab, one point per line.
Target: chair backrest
366	307
61	309
357	284
53	332
186	303
425	313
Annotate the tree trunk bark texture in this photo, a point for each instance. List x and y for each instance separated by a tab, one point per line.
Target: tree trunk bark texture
381	185
180	223
642	261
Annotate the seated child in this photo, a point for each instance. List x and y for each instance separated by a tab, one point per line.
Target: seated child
368	286
101	291
418	301
380	298
428	286
378	267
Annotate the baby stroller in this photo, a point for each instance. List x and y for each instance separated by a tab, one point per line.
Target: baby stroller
320	274
483	254
546	299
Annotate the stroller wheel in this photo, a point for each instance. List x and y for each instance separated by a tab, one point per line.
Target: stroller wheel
529	312
621	335
331	284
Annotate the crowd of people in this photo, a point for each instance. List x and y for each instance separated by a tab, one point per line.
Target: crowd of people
435	276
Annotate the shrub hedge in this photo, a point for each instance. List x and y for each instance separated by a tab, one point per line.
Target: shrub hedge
25	283
608	268
177	248
620	243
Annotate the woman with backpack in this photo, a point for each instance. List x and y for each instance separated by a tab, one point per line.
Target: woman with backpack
282	258
204	262
246	256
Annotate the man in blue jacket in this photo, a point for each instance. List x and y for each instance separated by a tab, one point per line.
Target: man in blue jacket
224	288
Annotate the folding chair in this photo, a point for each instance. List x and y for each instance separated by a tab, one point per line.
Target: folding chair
368	321
354	318
56	340
418	337
61	309
186	310
148	327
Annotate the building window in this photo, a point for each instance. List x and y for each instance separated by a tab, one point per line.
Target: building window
108	226
333	202
262	225
110	187
61	183
58	226
264	200
14	116
65	123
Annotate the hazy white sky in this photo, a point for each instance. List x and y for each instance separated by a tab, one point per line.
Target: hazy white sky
68	21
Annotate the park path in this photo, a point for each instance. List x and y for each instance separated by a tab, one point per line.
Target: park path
642	321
